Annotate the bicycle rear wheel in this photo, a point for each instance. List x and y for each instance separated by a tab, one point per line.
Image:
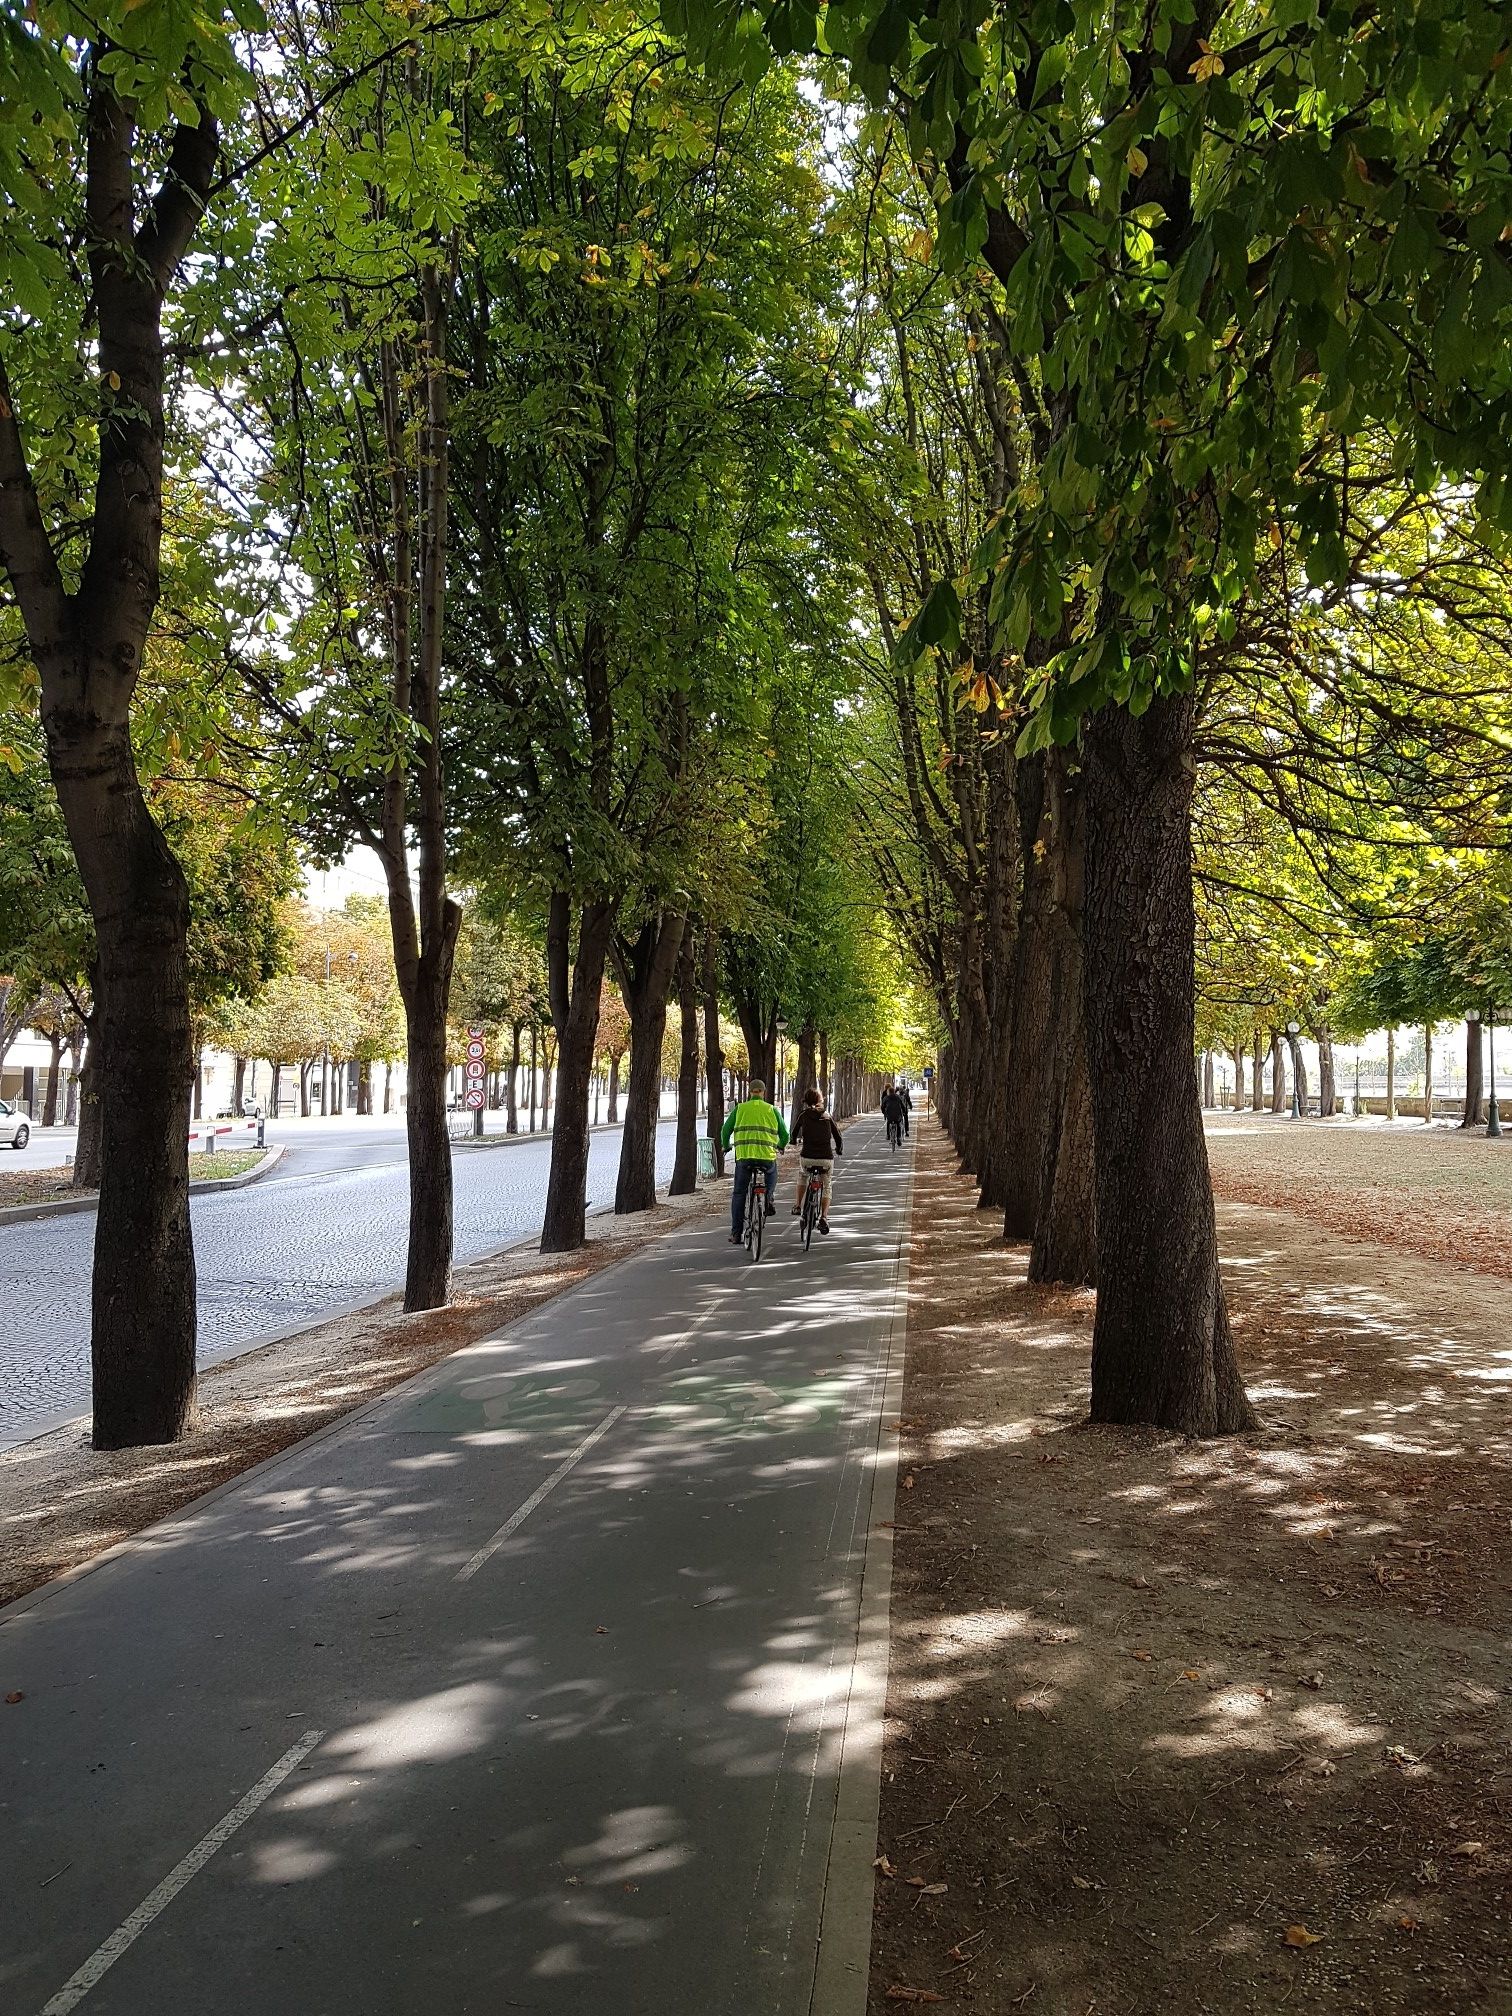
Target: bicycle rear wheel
810	1213
758	1218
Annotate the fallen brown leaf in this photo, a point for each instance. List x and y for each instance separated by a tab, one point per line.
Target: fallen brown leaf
1469	1848
908	1482
886	1865
1144	1658
12	1699
1298	1935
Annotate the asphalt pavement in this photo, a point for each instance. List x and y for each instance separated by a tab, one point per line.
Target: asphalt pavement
525	1688
325	1231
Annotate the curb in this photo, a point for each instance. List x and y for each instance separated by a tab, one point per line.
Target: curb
76	1418
843	1972
20	1214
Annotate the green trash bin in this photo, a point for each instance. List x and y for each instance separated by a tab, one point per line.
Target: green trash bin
706	1155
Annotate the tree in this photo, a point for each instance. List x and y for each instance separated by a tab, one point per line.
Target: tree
110	141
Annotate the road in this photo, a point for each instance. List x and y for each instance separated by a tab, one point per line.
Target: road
326	1230
524	1689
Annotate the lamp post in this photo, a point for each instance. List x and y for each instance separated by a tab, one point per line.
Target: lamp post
1493	1117
1292	1031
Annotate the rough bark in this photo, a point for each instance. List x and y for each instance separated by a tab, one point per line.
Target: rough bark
685	1165
713	1054
239	1083
1238	1056
1032	1047
614	1089
1064	1244
575	986
1209	1081
1475	1082
88	1149
1257	1095
1162	1352
646	966
1299	1074
364	1086
804	1076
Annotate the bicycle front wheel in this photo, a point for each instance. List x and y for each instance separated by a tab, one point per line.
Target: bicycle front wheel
758	1220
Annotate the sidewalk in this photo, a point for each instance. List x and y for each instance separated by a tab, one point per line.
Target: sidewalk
525	1687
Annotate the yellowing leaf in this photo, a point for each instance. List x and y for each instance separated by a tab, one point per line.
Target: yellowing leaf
1136	160
1208	64
1298	1935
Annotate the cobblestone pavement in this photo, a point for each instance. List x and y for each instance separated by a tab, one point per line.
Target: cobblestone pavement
285	1249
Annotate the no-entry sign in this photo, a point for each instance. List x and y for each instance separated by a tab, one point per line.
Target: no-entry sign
475	1070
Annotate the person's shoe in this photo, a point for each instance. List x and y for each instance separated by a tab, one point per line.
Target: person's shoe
824	1225
734	1240
795	1211
771	1210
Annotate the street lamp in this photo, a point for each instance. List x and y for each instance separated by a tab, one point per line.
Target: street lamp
1292	1031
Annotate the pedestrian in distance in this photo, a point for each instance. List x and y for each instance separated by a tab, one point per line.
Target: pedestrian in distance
759	1133
818	1141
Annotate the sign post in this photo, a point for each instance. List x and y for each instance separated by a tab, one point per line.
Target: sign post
476	1097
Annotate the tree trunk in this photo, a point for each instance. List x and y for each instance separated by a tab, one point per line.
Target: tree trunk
1257	1096
198	1108
576	986
55	1065
1475	1082
1065	1227
1427	1073
534	1057
512	1082
304	1088
1299	1074
388	1085
1209	1081
427	1274
275	1094
1032	1047
1391	1074
646	967
685	1166
1328	1088
1162	1352
365	1087
614	1089
88	1147
71	1095
238	1084
713	1054
1238	1056
550	1087
803	1078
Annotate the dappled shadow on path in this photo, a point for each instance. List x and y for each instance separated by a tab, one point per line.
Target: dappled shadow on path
1155	1702
599	1771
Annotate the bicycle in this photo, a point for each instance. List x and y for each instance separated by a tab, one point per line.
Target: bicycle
755	1213
895	1134
813	1206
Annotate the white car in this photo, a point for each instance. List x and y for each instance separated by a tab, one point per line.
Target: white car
15	1128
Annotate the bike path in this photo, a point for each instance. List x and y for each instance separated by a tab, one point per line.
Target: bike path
524	1688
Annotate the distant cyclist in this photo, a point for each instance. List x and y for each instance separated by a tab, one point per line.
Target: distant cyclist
893	1113
759	1133
819	1142
907	1097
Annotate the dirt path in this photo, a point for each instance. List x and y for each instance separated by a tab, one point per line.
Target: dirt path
1159	1708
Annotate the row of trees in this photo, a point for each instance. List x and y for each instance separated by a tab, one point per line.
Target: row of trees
415	428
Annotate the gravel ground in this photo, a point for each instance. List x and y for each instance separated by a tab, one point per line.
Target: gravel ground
1213	1729
1433	1191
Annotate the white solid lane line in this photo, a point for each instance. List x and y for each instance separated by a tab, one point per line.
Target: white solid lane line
78	1985
517	1519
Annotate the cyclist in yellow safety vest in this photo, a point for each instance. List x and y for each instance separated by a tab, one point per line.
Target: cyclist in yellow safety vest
760	1134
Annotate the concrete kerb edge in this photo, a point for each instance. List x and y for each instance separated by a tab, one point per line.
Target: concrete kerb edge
843	1972
20	1214
66	1577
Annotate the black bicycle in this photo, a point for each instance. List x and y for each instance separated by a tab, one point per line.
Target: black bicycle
813	1206
895	1134
755	1212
